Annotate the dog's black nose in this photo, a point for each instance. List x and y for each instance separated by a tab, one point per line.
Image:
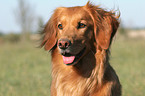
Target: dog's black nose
64	43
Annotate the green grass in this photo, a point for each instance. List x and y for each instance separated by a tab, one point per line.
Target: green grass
25	70
128	59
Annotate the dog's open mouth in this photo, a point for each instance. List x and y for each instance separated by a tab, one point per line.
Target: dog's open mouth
69	59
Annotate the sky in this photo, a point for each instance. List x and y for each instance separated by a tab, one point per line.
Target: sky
132	11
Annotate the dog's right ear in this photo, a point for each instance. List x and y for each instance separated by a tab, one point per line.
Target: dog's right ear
50	31
49	38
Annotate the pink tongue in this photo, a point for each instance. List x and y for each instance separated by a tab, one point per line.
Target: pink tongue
68	60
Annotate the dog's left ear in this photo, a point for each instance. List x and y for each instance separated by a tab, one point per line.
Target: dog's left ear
106	31
105	25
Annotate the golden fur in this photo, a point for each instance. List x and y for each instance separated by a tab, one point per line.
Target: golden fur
92	74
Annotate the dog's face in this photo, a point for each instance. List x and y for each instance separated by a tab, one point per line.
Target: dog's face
74	30
74	33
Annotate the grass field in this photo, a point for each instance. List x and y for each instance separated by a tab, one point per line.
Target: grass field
25	70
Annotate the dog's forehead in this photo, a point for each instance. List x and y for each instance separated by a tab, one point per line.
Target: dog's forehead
77	13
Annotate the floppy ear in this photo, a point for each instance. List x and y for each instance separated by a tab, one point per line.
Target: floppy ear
106	31
105	25
50	39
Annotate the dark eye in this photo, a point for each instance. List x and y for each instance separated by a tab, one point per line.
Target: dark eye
81	25
60	26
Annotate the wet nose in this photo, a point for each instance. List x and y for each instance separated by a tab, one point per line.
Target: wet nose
64	43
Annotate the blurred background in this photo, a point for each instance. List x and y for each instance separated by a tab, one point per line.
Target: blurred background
25	69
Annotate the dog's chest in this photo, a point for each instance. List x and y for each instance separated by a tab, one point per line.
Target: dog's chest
70	85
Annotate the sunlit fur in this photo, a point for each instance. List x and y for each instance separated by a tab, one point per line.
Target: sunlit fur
92	75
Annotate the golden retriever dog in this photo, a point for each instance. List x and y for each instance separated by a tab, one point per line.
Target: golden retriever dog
79	39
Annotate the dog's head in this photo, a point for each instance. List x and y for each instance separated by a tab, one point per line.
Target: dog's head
75	29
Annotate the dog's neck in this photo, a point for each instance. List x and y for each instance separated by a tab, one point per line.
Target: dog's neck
89	71
85	66
92	63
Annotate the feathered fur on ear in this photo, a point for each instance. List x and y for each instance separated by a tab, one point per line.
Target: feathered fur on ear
50	31
49	39
105	25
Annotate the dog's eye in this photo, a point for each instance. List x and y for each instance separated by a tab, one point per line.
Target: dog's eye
60	26
81	25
